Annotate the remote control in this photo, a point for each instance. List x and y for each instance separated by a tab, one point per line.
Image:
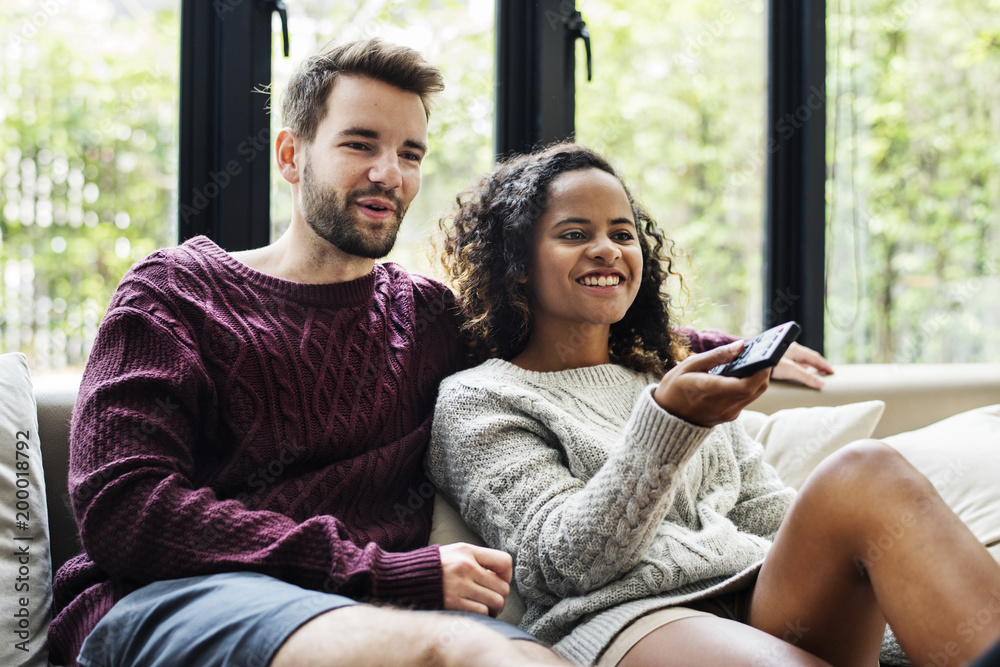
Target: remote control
761	352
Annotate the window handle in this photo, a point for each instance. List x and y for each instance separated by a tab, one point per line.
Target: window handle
279	6
578	30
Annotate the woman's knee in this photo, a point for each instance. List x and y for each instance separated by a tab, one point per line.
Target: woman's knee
867	474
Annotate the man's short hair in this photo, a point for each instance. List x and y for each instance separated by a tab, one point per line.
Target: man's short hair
303	105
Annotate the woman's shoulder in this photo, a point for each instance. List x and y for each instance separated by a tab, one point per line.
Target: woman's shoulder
492	374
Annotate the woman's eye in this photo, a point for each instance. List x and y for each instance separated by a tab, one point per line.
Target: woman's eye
624	236
572	236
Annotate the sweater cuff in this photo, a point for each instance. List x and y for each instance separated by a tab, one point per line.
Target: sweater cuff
411	577
672	439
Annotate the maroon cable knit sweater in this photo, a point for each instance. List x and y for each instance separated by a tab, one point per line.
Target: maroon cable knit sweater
228	420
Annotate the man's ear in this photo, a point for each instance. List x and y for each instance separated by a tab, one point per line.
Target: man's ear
289	153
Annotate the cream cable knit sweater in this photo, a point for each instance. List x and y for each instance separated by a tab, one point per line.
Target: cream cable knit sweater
610	506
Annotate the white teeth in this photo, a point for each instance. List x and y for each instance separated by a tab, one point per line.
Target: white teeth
602	281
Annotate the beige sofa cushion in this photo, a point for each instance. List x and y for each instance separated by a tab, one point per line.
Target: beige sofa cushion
960	455
796	439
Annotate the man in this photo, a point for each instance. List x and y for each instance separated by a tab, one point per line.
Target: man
249	426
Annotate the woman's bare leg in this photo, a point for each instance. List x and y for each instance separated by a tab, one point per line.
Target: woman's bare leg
867	540
706	641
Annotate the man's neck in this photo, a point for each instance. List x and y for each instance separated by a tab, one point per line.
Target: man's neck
301	256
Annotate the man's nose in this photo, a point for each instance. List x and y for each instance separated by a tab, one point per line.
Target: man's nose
385	172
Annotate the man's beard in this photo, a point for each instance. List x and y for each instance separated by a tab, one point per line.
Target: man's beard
333	219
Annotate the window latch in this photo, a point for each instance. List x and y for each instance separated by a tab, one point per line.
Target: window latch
279	6
578	30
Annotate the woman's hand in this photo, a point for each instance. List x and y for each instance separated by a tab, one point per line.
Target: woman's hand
475	578
688	391
802	365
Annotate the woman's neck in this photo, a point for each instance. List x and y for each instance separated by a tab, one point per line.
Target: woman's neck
576	346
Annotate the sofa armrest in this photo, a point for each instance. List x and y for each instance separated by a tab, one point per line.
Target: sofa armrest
915	395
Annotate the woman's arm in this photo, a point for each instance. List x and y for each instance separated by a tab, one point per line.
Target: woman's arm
500	454
764	499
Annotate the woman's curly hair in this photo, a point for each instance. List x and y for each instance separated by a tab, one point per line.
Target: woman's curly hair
487	255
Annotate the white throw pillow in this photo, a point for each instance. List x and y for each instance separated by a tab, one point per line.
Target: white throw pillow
796	439
960	455
25	568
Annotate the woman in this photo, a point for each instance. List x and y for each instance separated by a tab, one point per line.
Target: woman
644	526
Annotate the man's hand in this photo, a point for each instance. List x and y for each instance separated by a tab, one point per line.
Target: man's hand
803	365
475	578
688	391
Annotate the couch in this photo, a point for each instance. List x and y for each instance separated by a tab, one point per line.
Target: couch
914	397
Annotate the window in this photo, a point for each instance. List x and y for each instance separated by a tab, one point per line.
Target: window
677	101
88	164
913	196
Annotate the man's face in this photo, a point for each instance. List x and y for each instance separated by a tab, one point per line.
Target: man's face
362	170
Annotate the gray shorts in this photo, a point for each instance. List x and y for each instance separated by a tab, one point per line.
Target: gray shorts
237	619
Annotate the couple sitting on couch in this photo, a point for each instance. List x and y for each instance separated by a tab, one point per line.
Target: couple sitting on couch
589	446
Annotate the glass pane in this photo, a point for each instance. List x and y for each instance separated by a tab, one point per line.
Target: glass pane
455	36
88	164
678	101
913	268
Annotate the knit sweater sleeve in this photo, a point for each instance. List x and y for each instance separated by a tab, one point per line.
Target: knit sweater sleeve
764	499
138	493
496	453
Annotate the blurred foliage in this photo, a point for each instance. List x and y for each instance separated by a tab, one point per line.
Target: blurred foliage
677	101
88	154
913	268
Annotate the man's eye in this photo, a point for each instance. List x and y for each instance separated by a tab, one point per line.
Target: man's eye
412	157
356	146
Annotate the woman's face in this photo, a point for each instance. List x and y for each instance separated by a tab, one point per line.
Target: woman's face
586	261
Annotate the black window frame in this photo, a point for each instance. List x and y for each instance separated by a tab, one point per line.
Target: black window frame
225	185
225	139
794	207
